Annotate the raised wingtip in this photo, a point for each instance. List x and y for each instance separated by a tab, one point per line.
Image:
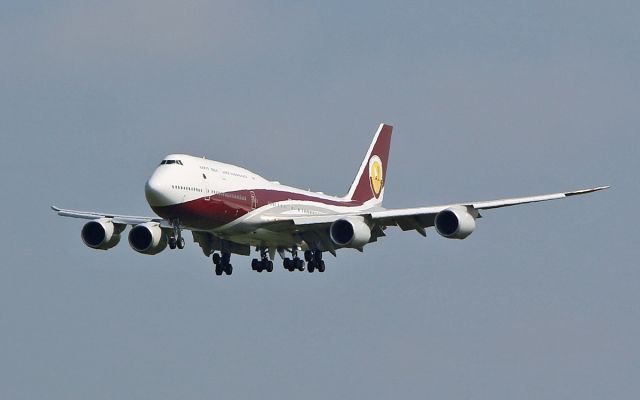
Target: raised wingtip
54	208
596	189
585	191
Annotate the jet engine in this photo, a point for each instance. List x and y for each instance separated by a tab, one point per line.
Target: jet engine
101	234
350	232
455	222
147	238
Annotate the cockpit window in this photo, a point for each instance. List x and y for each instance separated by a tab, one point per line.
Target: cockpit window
171	162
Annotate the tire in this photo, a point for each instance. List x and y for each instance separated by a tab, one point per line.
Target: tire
321	266
299	264
254	264
287	263
172	243
180	243
216	258
218	269
229	269
308	256
269	266
310	267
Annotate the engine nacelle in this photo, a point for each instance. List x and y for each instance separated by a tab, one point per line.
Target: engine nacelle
147	238
350	232
455	222
101	234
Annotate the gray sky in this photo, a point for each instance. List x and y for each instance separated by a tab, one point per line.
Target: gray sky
488	100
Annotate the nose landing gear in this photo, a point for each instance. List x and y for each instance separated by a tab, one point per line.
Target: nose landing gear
176	239
176	242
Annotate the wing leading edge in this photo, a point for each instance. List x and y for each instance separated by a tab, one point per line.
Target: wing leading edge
420	218
314	229
116	218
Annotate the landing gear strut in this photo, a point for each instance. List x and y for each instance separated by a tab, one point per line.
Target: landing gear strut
264	264
295	263
314	261
176	239
222	263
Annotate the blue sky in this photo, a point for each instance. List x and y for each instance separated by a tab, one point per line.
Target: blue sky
488	100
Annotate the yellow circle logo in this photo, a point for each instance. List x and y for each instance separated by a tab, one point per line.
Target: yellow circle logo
375	175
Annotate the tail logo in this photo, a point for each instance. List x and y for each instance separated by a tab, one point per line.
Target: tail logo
375	175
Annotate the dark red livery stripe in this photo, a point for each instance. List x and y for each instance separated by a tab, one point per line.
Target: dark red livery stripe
220	209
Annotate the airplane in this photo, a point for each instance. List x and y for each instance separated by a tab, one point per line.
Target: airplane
230	210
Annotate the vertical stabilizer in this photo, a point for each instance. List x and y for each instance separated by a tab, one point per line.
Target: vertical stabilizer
368	186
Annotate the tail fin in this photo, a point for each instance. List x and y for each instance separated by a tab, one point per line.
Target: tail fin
368	185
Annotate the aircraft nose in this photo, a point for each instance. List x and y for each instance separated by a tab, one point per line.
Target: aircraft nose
156	191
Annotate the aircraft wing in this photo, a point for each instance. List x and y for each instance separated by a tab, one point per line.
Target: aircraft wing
422	217
314	228
117	219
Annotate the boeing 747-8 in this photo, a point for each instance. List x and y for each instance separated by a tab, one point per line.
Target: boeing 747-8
230	210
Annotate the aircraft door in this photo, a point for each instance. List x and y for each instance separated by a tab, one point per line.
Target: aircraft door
207	188
254	200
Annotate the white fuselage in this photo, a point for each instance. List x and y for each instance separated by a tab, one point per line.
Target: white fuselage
211	196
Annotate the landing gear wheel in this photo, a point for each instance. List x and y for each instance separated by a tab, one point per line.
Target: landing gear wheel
172	243
222	263
321	266
180	243
262	264
308	255
299	264
310	267
296	263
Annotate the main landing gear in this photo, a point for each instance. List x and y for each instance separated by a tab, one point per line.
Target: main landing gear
293	264
176	240
222	263
313	260
264	264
